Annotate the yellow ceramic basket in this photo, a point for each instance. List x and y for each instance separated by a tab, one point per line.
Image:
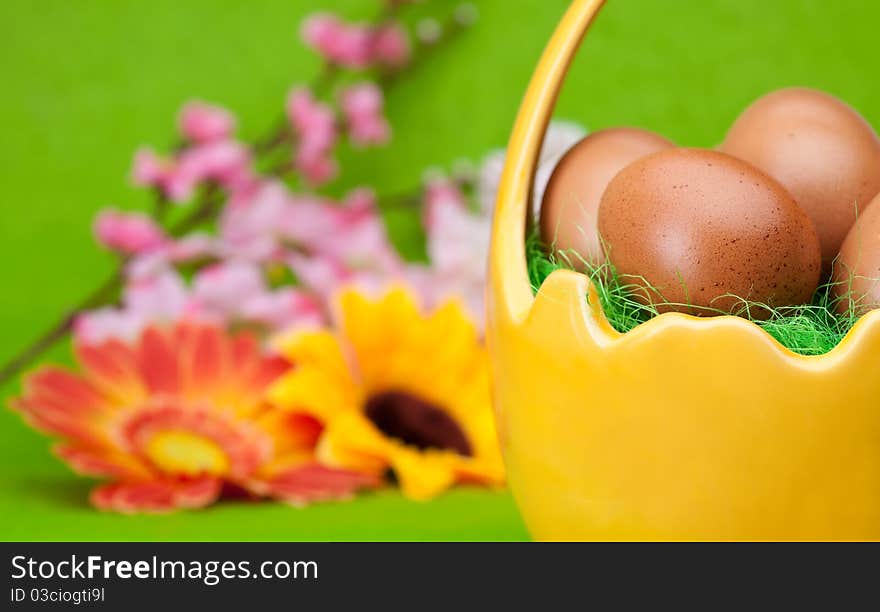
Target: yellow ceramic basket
683	428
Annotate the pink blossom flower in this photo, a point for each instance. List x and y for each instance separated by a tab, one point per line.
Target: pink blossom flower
159	299
319	29
358	238
236	291
359	203
226	293
321	275
313	121
98	326
146	265
200	122
181	186
306	222
219	289
355	45
224	161
274	220
283	309
440	192
343	244
251	223
316	168
362	106
127	233
458	246
391	45
459	241
348	45
325	276
315	126
193	246
149	169
196	246
271	219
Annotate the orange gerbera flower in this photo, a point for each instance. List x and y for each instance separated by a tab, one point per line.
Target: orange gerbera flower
176	419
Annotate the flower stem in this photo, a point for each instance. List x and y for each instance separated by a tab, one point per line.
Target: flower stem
103	294
106	293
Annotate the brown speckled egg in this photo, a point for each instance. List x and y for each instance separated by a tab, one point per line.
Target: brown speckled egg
700	227
568	211
820	149
857	269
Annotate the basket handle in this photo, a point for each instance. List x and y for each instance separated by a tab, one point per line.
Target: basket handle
510	294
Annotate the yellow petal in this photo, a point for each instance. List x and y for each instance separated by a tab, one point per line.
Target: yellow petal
319	348
488	470
377	333
314	391
422	475
351	441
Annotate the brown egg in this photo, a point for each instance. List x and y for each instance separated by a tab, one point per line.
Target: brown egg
568	212
700	227
820	149
857	269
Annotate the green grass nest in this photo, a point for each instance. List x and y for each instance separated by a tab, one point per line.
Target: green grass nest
810	329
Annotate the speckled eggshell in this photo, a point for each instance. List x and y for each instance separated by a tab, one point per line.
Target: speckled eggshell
819	148
857	268
701	226
571	200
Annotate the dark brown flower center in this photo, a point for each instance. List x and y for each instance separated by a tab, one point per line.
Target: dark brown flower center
416	422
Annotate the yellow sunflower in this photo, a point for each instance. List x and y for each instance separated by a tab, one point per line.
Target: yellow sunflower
397	391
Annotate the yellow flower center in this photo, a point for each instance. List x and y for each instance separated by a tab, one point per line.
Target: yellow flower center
181	452
416	422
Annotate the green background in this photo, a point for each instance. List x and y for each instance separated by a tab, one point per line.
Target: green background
85	83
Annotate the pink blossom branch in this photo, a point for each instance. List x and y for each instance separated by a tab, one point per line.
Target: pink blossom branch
108	291
210	201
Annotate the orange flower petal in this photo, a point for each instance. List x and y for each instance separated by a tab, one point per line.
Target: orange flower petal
182	335
158	362
112	368
314	482
245	354
101	462
50	416
268	369
76	393
291	431
208	361
156	495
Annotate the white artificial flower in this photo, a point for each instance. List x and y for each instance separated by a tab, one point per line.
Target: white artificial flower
560	137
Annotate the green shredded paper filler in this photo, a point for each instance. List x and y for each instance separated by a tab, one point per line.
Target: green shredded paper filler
808	329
